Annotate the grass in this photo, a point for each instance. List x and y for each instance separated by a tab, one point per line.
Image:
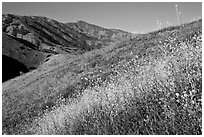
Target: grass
159	98
156	90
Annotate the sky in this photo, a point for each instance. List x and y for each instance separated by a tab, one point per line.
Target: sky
135	17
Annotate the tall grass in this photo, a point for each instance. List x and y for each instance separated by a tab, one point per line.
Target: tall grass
150	96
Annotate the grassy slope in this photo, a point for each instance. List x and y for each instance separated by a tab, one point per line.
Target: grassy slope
149	85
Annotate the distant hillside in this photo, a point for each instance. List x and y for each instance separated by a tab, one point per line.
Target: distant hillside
146	85
45	34
31	39
99	32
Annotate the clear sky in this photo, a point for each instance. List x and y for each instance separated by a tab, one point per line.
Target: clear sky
132	17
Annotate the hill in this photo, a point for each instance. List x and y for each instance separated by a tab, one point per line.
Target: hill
23	53
150	84
32	39
98	32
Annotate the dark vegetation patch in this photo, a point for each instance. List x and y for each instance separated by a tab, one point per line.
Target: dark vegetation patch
12	68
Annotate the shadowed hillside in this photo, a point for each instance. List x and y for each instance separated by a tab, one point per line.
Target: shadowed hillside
146	85
8	65
22	51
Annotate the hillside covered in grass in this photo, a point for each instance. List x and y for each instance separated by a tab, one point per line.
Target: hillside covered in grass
31	40
150	85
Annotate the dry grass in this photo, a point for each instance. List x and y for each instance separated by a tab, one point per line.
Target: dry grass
159	97
154	90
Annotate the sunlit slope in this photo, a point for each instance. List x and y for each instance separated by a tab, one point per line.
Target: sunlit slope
148	85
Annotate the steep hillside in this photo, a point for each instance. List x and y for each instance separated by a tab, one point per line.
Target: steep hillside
46	34
98	32
42	37
151	84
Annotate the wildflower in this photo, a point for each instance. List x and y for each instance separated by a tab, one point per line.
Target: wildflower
177	94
